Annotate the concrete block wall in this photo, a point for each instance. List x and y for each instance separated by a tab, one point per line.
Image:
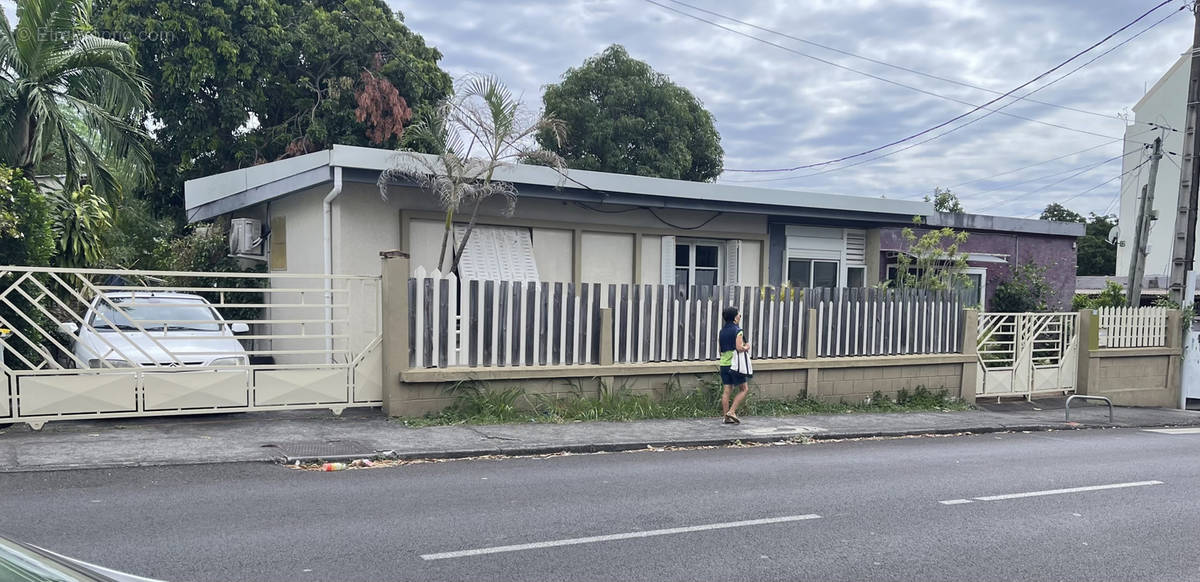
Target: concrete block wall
858	383
1132	376
1134	379
831	380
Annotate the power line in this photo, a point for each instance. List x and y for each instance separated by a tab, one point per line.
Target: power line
1117	177
1041	189
1054	159
1053	174
935	127
989	113
895	66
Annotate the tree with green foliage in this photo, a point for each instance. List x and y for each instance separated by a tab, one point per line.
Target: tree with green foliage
945	201
63	85
624	117
932	260
26	235
81	217
242	82
483	117
1026	290
1059	213
1093	253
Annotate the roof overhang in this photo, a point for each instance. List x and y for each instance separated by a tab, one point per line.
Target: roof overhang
219	194
993	258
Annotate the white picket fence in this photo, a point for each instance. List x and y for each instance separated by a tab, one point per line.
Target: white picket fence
511	323
1132	327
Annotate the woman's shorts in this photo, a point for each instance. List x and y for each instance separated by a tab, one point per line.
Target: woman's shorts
731	378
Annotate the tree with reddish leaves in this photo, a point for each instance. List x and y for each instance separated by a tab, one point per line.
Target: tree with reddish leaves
380	106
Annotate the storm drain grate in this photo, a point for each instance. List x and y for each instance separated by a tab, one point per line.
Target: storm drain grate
323	449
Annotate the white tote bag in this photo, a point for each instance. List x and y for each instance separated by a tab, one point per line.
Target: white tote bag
741	364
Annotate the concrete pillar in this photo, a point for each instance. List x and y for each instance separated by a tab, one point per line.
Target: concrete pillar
1175	335
606	337
810	335
1088	340
394	290
813	375
970	370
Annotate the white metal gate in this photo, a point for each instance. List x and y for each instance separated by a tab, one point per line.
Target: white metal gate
1021	354
88	343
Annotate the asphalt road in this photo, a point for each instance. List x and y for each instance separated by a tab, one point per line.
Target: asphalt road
867	510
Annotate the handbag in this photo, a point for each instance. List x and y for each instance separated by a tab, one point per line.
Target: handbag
741	364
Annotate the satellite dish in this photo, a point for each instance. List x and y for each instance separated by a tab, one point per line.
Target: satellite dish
1113	234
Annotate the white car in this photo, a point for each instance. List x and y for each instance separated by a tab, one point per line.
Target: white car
131	329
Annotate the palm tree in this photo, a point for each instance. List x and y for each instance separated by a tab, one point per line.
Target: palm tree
483	117
53	71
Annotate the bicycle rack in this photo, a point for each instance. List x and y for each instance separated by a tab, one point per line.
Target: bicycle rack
1083	397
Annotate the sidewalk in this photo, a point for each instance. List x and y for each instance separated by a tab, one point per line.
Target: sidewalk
307	435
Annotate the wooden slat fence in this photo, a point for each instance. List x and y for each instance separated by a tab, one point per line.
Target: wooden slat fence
1132	327
670	323
885	322
513	323
501	323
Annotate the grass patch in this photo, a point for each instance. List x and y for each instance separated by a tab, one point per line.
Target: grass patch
475	403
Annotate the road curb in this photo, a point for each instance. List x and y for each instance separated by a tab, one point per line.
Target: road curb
617	447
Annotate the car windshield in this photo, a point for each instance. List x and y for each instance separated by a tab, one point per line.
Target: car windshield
18	563
157	313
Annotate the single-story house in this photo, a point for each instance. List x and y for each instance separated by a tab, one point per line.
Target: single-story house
323	213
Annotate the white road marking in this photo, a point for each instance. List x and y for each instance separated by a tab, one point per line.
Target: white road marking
1174	430
619	536
1050	492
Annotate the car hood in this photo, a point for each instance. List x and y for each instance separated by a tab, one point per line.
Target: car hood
144	348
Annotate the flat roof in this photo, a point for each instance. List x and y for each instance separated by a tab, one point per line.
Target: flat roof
1006	224
222	193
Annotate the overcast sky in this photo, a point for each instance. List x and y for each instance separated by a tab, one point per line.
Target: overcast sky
776	109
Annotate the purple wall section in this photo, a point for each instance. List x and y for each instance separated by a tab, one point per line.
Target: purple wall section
1056	253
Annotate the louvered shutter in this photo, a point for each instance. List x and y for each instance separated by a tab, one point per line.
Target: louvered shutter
496	253
733	260
668	260
856	247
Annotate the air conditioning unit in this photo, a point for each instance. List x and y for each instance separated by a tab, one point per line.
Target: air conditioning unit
246	237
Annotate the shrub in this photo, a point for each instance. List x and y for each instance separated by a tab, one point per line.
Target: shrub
1026	290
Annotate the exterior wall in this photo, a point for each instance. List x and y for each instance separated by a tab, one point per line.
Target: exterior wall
364	224
1129	379
1132	376
606	257
1165	104
855	384
1057	253
832	380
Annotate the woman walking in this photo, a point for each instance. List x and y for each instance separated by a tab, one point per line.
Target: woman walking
730	341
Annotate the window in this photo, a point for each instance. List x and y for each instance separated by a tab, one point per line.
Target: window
856	276
974	293
812	273
697	263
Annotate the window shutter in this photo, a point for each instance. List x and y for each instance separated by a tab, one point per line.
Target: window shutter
856	246
668	260
496	253
733	256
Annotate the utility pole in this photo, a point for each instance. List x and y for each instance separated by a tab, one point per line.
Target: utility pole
1183	251
1141	235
